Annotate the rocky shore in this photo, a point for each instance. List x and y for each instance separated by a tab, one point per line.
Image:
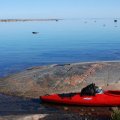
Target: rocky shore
36	81
27	20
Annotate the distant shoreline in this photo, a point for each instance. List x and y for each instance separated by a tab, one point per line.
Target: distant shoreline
27	20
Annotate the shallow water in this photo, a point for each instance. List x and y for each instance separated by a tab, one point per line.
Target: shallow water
10	105
65	41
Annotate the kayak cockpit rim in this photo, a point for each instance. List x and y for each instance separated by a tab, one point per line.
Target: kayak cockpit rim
112	92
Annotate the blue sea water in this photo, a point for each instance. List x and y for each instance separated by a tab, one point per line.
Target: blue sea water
65	41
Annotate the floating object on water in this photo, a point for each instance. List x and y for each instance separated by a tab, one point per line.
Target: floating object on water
107	98
115	20
35	32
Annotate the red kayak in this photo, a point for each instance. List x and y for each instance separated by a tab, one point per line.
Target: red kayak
107	98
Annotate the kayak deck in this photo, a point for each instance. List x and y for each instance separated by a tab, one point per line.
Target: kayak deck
108	98
113	92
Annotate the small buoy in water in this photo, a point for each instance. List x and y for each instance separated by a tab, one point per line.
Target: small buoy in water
35	32
115	20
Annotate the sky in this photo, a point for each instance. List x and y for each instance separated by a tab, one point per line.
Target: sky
59	9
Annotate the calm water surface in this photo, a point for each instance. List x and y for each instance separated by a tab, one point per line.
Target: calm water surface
60	42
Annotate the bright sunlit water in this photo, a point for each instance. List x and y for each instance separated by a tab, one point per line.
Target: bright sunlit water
65	41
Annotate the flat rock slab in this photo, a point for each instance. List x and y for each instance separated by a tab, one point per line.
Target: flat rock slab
37	81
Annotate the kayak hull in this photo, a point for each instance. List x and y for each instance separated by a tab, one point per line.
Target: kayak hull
105	99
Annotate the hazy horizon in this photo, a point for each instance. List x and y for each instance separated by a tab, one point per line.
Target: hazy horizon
55	18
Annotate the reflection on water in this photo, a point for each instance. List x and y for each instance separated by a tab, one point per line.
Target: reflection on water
65	41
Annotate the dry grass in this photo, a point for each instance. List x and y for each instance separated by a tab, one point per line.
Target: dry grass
116	115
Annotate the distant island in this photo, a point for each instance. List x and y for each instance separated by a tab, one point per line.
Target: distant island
27	20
